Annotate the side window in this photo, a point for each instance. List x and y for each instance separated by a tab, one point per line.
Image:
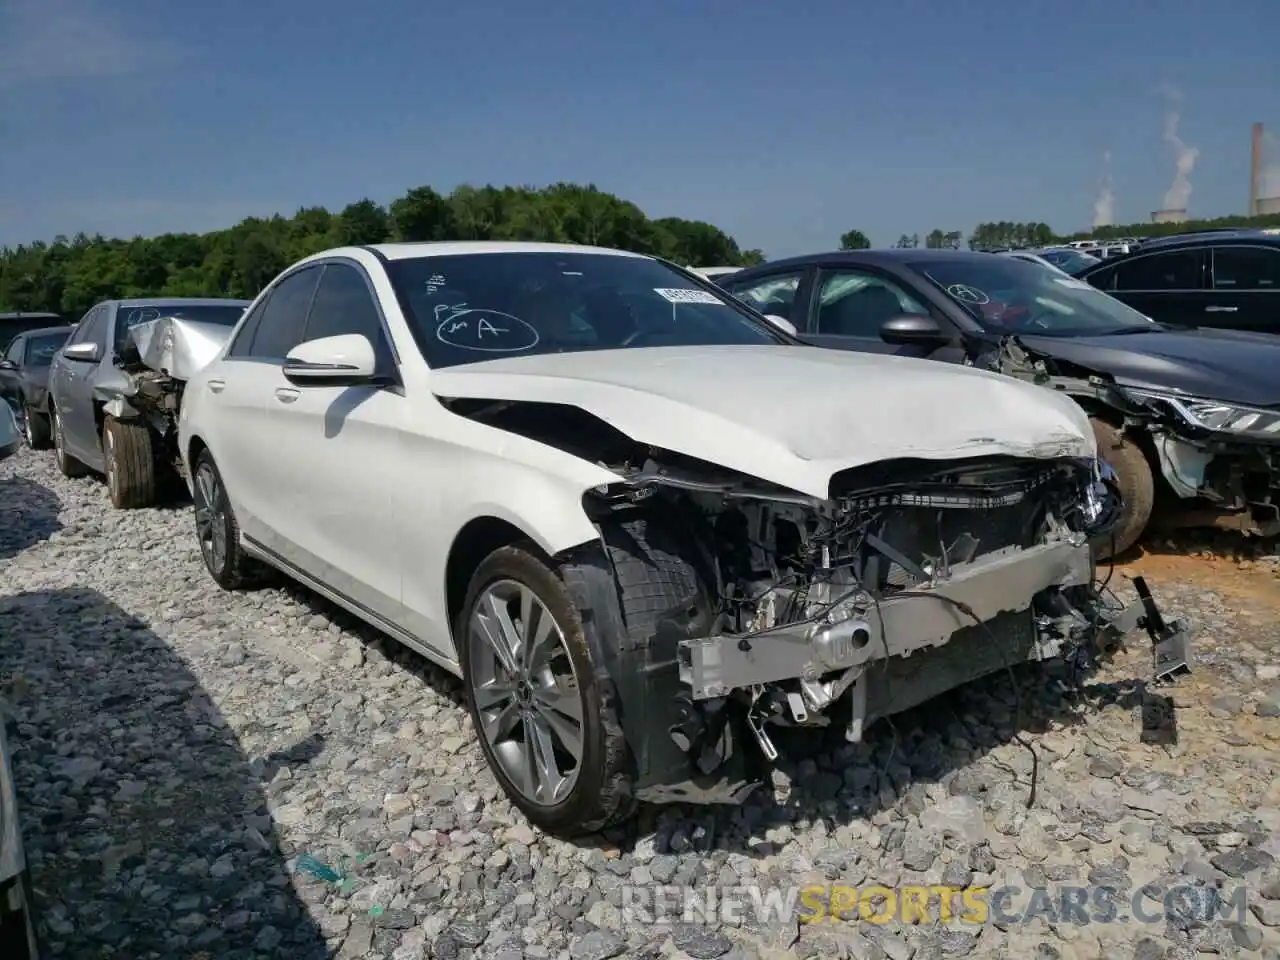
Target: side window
14	354
285	316
775	294
856	304
1103	279
344	304
240	346
1175	270
1246	268
84	329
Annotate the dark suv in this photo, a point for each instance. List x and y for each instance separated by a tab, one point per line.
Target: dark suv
1227	279
12	324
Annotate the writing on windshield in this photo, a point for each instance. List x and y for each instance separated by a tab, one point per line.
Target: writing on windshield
1014	297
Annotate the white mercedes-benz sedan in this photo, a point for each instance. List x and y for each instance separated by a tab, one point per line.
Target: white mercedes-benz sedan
643	523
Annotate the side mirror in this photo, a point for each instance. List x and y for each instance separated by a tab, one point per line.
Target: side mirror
86	352
343	360
910	329
8	365
783	324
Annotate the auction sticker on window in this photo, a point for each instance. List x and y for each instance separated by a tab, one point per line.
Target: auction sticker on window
687	296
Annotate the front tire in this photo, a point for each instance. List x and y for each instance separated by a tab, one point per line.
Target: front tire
129	464
68	465
37	429
1137	486
533	697
217	531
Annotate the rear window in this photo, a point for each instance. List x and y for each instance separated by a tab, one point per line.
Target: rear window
42	349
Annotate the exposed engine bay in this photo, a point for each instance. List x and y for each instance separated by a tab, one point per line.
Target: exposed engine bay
750	607
146	383
1223	457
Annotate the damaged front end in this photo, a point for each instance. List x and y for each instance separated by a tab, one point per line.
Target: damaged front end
146	383
1223	458
912	578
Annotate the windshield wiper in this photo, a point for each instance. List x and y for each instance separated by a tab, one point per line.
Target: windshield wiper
1135	328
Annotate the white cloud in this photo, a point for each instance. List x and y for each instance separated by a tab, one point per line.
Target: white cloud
42	40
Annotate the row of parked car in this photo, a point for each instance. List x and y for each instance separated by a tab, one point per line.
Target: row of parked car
648	519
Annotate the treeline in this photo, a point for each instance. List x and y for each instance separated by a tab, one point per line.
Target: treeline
69	276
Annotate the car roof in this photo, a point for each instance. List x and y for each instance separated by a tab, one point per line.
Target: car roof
409	251
25	314
178	302
1210	238
885	257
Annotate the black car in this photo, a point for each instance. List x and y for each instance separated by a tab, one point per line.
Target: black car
1228	279
1199	409
12	324
24	378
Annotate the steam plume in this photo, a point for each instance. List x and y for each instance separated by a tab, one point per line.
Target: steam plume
1184	157
1270	185
1104	205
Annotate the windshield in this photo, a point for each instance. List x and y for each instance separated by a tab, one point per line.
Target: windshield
473	307
42	349
1009	296
1073	262
224	315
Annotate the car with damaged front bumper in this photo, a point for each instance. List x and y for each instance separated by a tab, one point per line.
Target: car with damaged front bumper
1190	413
644	525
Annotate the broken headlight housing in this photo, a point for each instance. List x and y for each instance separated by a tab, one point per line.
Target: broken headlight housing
1213	415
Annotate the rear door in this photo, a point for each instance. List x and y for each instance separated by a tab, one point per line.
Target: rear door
10	370
849	304
1170	286
1246	288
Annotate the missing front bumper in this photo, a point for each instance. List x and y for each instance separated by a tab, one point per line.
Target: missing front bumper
899	626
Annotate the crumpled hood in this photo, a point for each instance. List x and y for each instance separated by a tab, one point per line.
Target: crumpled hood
1229	365
789	415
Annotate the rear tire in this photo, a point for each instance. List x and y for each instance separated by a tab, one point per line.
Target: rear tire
515	730
129	463
1137	486
37	429
68	465
217	531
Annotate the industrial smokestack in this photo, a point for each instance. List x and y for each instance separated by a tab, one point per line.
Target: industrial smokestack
1255	171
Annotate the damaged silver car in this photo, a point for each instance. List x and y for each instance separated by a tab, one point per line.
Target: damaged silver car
116	386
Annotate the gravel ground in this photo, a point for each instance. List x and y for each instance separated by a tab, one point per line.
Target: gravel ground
205	775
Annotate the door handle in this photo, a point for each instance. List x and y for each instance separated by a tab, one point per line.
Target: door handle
216	386
287	394
1217	309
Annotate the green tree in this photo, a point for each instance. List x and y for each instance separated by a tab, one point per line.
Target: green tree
908	241
71	275
854	240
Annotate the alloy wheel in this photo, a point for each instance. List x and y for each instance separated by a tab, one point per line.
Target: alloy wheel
28	428
525	691
59	443
211	523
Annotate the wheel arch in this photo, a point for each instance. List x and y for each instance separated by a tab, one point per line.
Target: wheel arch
478	538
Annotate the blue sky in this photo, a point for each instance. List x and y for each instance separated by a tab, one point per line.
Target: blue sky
784	123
